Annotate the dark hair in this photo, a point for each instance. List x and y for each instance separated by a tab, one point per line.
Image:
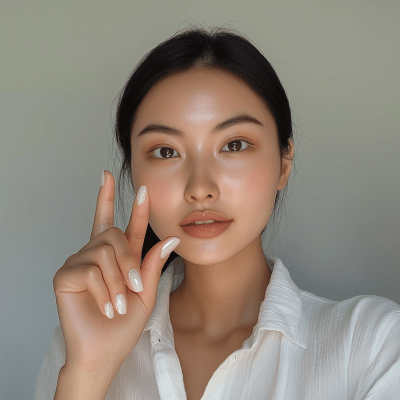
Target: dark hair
220	49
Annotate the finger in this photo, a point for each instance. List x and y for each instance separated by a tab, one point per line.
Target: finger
98	289
104	215
137	226
105	258
83	278
152	266
126	260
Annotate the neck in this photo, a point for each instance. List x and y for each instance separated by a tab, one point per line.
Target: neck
217	300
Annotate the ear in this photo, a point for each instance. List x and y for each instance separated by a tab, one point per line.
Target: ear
286	166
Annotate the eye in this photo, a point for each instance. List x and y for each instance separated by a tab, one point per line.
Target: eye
236	147
163	151
167	152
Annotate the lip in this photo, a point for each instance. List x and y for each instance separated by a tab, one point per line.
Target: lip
206	230
203	216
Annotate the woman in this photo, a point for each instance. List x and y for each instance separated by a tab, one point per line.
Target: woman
205	129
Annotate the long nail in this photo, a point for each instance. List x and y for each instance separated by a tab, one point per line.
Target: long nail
108	308
135	280
120	302
142	193
168	247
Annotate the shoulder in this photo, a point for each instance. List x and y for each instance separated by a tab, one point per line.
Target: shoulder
359	326
357	340
357	313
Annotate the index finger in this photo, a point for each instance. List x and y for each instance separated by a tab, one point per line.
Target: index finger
137	226
104	215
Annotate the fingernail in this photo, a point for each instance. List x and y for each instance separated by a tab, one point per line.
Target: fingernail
141	196
103	179
120	302
108	308
168	247
135	280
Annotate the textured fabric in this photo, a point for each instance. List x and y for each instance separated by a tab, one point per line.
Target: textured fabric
303	347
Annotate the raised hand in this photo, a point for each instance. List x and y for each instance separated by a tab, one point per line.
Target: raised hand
94	282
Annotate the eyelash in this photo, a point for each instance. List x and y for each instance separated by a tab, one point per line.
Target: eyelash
233	140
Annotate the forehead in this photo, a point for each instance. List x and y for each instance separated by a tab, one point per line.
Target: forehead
199	97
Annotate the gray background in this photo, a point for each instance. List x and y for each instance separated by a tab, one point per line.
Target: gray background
62	66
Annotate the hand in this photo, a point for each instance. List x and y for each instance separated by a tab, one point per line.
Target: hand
95	275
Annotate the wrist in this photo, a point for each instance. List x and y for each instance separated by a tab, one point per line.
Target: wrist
76	383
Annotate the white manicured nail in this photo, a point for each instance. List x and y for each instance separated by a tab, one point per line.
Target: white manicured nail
141	196
103	178
108	308
168	247
135	280
120	302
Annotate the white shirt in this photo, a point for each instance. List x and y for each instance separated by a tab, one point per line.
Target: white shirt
303	347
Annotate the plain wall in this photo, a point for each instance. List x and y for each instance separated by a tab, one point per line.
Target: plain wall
62	67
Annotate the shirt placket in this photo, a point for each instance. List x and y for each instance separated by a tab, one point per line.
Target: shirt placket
167	368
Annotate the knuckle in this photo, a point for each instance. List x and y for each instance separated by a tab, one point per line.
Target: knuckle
56	276
55	279
114	231
92	272
106	251
104	230
69	259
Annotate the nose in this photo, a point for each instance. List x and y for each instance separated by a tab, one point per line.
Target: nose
202	185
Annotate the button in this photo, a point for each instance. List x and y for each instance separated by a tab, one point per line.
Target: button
234	359
159	340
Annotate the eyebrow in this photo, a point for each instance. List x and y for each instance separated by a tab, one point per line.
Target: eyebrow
238	119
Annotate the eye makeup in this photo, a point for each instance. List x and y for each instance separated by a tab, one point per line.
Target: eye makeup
232	140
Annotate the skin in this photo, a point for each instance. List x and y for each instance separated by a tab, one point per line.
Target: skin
225	276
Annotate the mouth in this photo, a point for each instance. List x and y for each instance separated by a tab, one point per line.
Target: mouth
206	230
204	217
205	223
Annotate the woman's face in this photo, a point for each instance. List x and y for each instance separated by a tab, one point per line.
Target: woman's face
198	170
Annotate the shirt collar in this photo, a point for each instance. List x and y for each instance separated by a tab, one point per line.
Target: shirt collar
281	309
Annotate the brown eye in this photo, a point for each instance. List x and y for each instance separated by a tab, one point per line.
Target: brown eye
235	146
164	152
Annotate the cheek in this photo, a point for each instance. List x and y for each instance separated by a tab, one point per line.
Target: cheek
264	181
163	193
164	197
259	192
259	183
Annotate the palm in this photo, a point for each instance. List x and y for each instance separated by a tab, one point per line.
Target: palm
97	337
